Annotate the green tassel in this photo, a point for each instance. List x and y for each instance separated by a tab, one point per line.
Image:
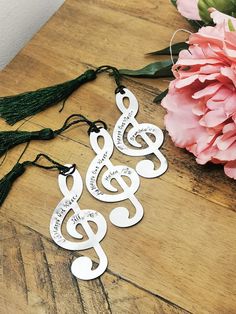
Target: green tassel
7	181
10	139
18	107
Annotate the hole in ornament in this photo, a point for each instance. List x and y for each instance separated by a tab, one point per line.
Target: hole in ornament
127	180
69	182
65	233
101	141
125	139
93	226
99	181
140	140
154	159
80	229
126	102
95	265
135	137
108	178
117	186
152	137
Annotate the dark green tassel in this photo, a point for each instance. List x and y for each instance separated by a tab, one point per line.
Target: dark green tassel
18	107
7	181
10	139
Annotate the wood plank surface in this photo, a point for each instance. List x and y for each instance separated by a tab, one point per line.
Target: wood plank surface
181	258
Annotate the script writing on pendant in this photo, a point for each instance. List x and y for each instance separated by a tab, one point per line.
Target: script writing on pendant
119	216
146	167
82	267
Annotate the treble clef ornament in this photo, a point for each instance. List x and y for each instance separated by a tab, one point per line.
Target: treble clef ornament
119	216
82	267
145	168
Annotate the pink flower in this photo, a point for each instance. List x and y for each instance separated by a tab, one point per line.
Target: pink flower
189	9
201	103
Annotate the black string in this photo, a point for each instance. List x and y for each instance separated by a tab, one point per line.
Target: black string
94	128
120	89
92	124
24	150
116	74
63	104
67	124
55	165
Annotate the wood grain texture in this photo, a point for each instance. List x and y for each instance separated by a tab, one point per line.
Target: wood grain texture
37	279
181	257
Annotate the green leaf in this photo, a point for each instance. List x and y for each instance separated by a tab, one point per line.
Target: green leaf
159	97
174	2
176	48
153	70
221	5
231	26
233	2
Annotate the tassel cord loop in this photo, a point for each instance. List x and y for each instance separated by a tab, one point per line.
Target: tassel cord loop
8	180
115	73
94	126
68	123
55	165
10	139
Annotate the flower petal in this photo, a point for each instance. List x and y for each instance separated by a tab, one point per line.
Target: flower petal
209	90
230	169
189	9
213	118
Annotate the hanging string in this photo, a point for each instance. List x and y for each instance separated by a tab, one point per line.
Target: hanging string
172	39
7	181
96	126
55	165
10	139
116	74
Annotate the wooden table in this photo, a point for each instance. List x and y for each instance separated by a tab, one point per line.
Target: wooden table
182	257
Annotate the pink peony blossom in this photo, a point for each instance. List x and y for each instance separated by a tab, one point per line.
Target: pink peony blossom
201	103
189	9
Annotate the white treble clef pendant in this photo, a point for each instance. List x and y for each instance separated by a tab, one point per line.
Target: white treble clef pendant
145	168
119	216
82	267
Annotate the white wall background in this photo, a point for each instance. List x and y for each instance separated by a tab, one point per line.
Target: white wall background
19	21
